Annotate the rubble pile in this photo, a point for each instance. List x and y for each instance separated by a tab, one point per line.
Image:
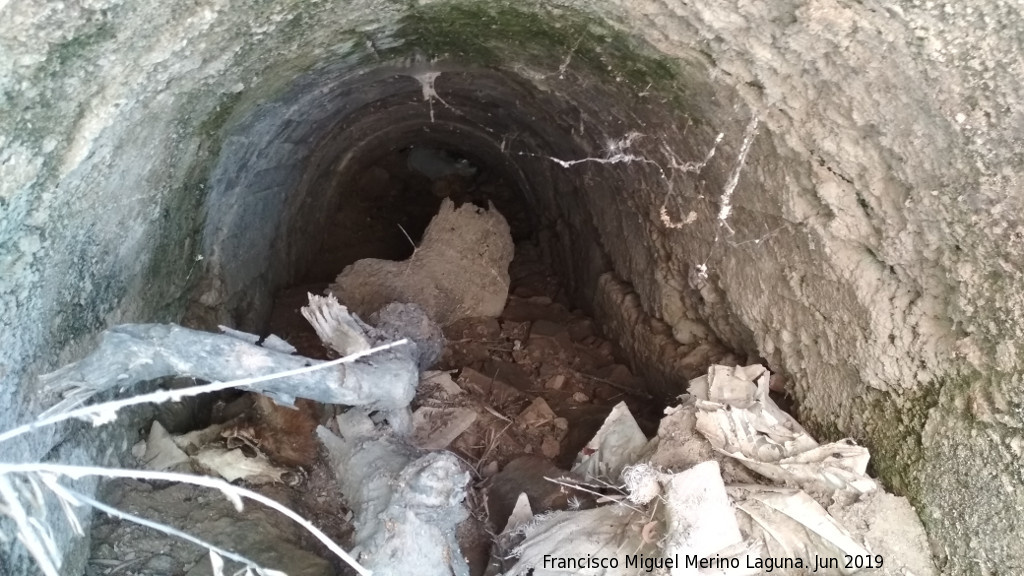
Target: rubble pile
459	270
503	434
729	485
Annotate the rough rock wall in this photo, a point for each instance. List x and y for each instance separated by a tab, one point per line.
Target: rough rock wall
873	247
880	246
112	116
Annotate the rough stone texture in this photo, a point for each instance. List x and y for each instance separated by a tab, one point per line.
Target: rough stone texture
666	355
873	250
257	533
460	270
890	526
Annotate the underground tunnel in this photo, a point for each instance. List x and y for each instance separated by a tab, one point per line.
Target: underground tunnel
830	189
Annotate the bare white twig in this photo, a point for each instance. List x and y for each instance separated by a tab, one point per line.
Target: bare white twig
581	488
199	258
50	482
23	502
409	238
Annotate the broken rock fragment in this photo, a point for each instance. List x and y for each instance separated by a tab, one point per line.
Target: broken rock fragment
436	428
460	269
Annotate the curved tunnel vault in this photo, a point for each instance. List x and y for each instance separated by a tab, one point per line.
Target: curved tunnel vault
708	176
570	141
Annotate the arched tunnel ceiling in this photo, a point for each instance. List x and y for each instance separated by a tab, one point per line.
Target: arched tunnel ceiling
872	246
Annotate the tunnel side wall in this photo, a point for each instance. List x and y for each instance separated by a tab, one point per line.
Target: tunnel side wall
873	250
112	118
879	246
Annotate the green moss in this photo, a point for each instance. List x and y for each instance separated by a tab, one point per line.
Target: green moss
173	266
81	47
894	432
541	35
213	126
893	427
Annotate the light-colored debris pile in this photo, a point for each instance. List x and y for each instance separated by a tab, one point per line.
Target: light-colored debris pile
405	502
459	270
729	484
794	507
